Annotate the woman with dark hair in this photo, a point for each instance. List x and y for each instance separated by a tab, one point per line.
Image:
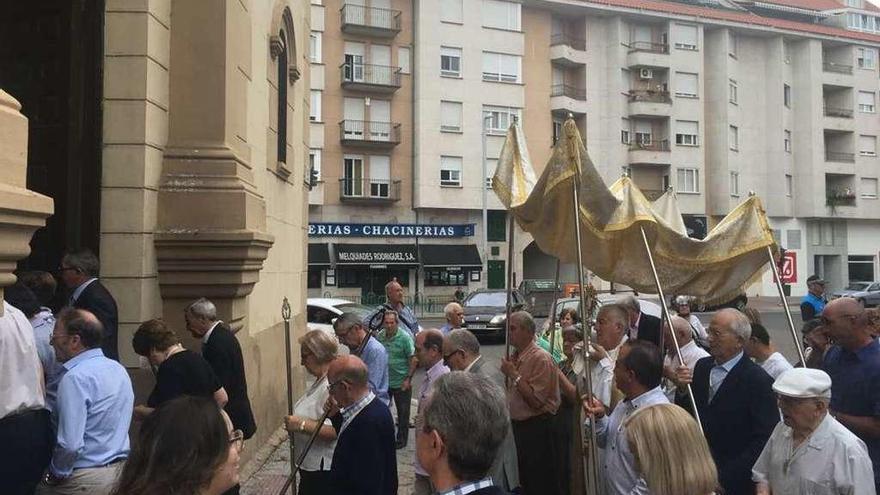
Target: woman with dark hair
178	370
185	447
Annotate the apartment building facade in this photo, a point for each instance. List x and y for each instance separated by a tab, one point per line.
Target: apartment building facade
711	99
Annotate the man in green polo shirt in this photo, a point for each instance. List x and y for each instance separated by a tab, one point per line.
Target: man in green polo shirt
401	366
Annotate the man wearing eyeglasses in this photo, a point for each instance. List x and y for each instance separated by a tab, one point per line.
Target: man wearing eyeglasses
79	273
364	460
854	365
429	352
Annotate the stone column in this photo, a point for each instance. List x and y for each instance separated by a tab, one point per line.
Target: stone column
21	211
211	238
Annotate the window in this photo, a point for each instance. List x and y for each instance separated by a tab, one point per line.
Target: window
496	230
687	133
868	145
283	81
443	277
500	118
685	36
733	137
786	95
315	106
643	131
868	187
501	67
734	184
450	116
786	51
688	180
315	162
686	84
867	58
450	61
451	11
624	131
501	15
733	94
315	47
856	4
732	42
353	176
557	130
861	268
450	171
404	59
866	101
491	166
786	139
380	176
788	185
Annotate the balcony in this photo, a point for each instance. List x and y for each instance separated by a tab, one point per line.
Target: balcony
840	197
354	190
842	113
568	50
370	21
369	133
837	68
649	103
653	152
565	98
647	54
837	156
370	78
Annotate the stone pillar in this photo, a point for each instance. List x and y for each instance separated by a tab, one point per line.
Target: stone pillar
21	211
211	238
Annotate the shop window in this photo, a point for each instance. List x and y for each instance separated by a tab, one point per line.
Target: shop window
861	268
348	278
435	278
497	226
314	280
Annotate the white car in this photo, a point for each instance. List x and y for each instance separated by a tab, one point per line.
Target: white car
320	312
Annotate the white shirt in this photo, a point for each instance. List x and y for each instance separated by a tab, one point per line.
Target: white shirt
690	353
468	367
831	461
210	331
21	373
775	365
311	405
602	373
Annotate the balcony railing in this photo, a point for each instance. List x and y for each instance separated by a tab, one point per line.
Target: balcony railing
567	39
648	46
836	156
840	198
836	67
369	189
653	145
370	75
650	95
844	113
358	16
569	91
366	131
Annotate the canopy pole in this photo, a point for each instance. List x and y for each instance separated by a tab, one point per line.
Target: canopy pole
668	318
510	238
575	192
794	335
553	309
285	315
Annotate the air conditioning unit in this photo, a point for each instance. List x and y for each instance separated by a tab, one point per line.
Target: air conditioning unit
646	74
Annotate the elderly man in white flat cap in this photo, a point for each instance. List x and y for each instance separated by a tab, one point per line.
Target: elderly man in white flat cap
810	451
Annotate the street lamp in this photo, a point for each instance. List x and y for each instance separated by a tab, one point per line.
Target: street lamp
487	118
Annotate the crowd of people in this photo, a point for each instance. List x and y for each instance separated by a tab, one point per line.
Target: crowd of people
67	404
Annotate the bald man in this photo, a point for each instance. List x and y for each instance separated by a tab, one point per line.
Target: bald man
406	318
364	461
690	353
854	366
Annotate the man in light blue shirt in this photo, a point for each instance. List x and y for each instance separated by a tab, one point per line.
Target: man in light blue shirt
454	318
93	410
350	331
406	318
638	372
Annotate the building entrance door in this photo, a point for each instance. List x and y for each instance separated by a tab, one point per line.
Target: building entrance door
374	280
496	274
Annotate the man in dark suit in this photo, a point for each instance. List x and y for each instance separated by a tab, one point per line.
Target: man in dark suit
223	352
461	352
365	457
735	399
79	273
463	423
641	326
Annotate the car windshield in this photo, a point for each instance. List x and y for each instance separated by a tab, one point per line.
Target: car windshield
858	286
358	309
487	299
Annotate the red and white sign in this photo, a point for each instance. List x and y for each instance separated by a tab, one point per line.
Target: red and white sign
789	268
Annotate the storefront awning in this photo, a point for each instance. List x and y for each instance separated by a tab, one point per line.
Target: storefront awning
319	255
450	256
376	255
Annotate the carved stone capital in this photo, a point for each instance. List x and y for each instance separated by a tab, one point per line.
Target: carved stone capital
276	46
293	74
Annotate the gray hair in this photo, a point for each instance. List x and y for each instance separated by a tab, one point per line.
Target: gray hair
202	308
683	329
391	312
84	260
739	324
464	340
347	321
630	303
524	318
469	412
450	308
617	313
321	344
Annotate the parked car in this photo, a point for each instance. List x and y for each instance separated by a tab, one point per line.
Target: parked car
648	307
320	312
867	293
739	302
485	311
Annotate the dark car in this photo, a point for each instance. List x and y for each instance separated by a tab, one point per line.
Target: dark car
485	311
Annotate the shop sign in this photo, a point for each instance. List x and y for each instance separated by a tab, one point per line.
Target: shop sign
390	230
375	257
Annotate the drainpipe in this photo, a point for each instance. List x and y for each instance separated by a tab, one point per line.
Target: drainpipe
413	74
